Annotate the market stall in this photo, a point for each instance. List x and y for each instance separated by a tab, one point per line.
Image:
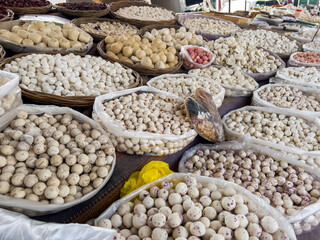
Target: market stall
115	87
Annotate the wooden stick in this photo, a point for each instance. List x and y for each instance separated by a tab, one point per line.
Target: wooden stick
315	33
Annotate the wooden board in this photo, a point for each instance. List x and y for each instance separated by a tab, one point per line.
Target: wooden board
231	18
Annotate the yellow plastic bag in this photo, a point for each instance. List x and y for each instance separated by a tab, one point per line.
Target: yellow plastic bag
149	173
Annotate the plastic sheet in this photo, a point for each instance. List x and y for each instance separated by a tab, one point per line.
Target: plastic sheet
17	226
261	205
217	98
31	208
117	131
298	219
10	94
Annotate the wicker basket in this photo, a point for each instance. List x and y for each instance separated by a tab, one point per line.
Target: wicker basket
115	6
67	101
9	17
97	37
81	13
30	10
2	53
142	70
149	28
19	48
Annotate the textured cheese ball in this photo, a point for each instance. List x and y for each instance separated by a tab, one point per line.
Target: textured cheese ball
194	213
159	220
228	203
269	224
197	229
159	234
175	220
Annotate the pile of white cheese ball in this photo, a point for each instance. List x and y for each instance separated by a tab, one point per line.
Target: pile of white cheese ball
304	74
70	75
227	77
269	40
185	85
237	52
175	37
152	113
210	25
275	128
62	162
192	210
286	187
313	46
290	97
106	28
146	13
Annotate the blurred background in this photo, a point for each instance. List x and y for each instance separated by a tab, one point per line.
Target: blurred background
219	5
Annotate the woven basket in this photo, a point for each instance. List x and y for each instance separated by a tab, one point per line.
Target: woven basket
2	53
67	101
115	6
149	28
30	10
19	48
9	17
81	13
97	37
142	70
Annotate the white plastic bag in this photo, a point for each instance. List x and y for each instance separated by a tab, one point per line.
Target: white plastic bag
217	98
311	82
188	62
295	62
157	143
31	208
10	93
301	216
232	135
257	101
311	47
231	90
17	226
221	184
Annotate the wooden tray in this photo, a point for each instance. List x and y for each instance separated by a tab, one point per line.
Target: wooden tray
115	6
67	101
142	70
97	37
30	10
81	13
19	48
